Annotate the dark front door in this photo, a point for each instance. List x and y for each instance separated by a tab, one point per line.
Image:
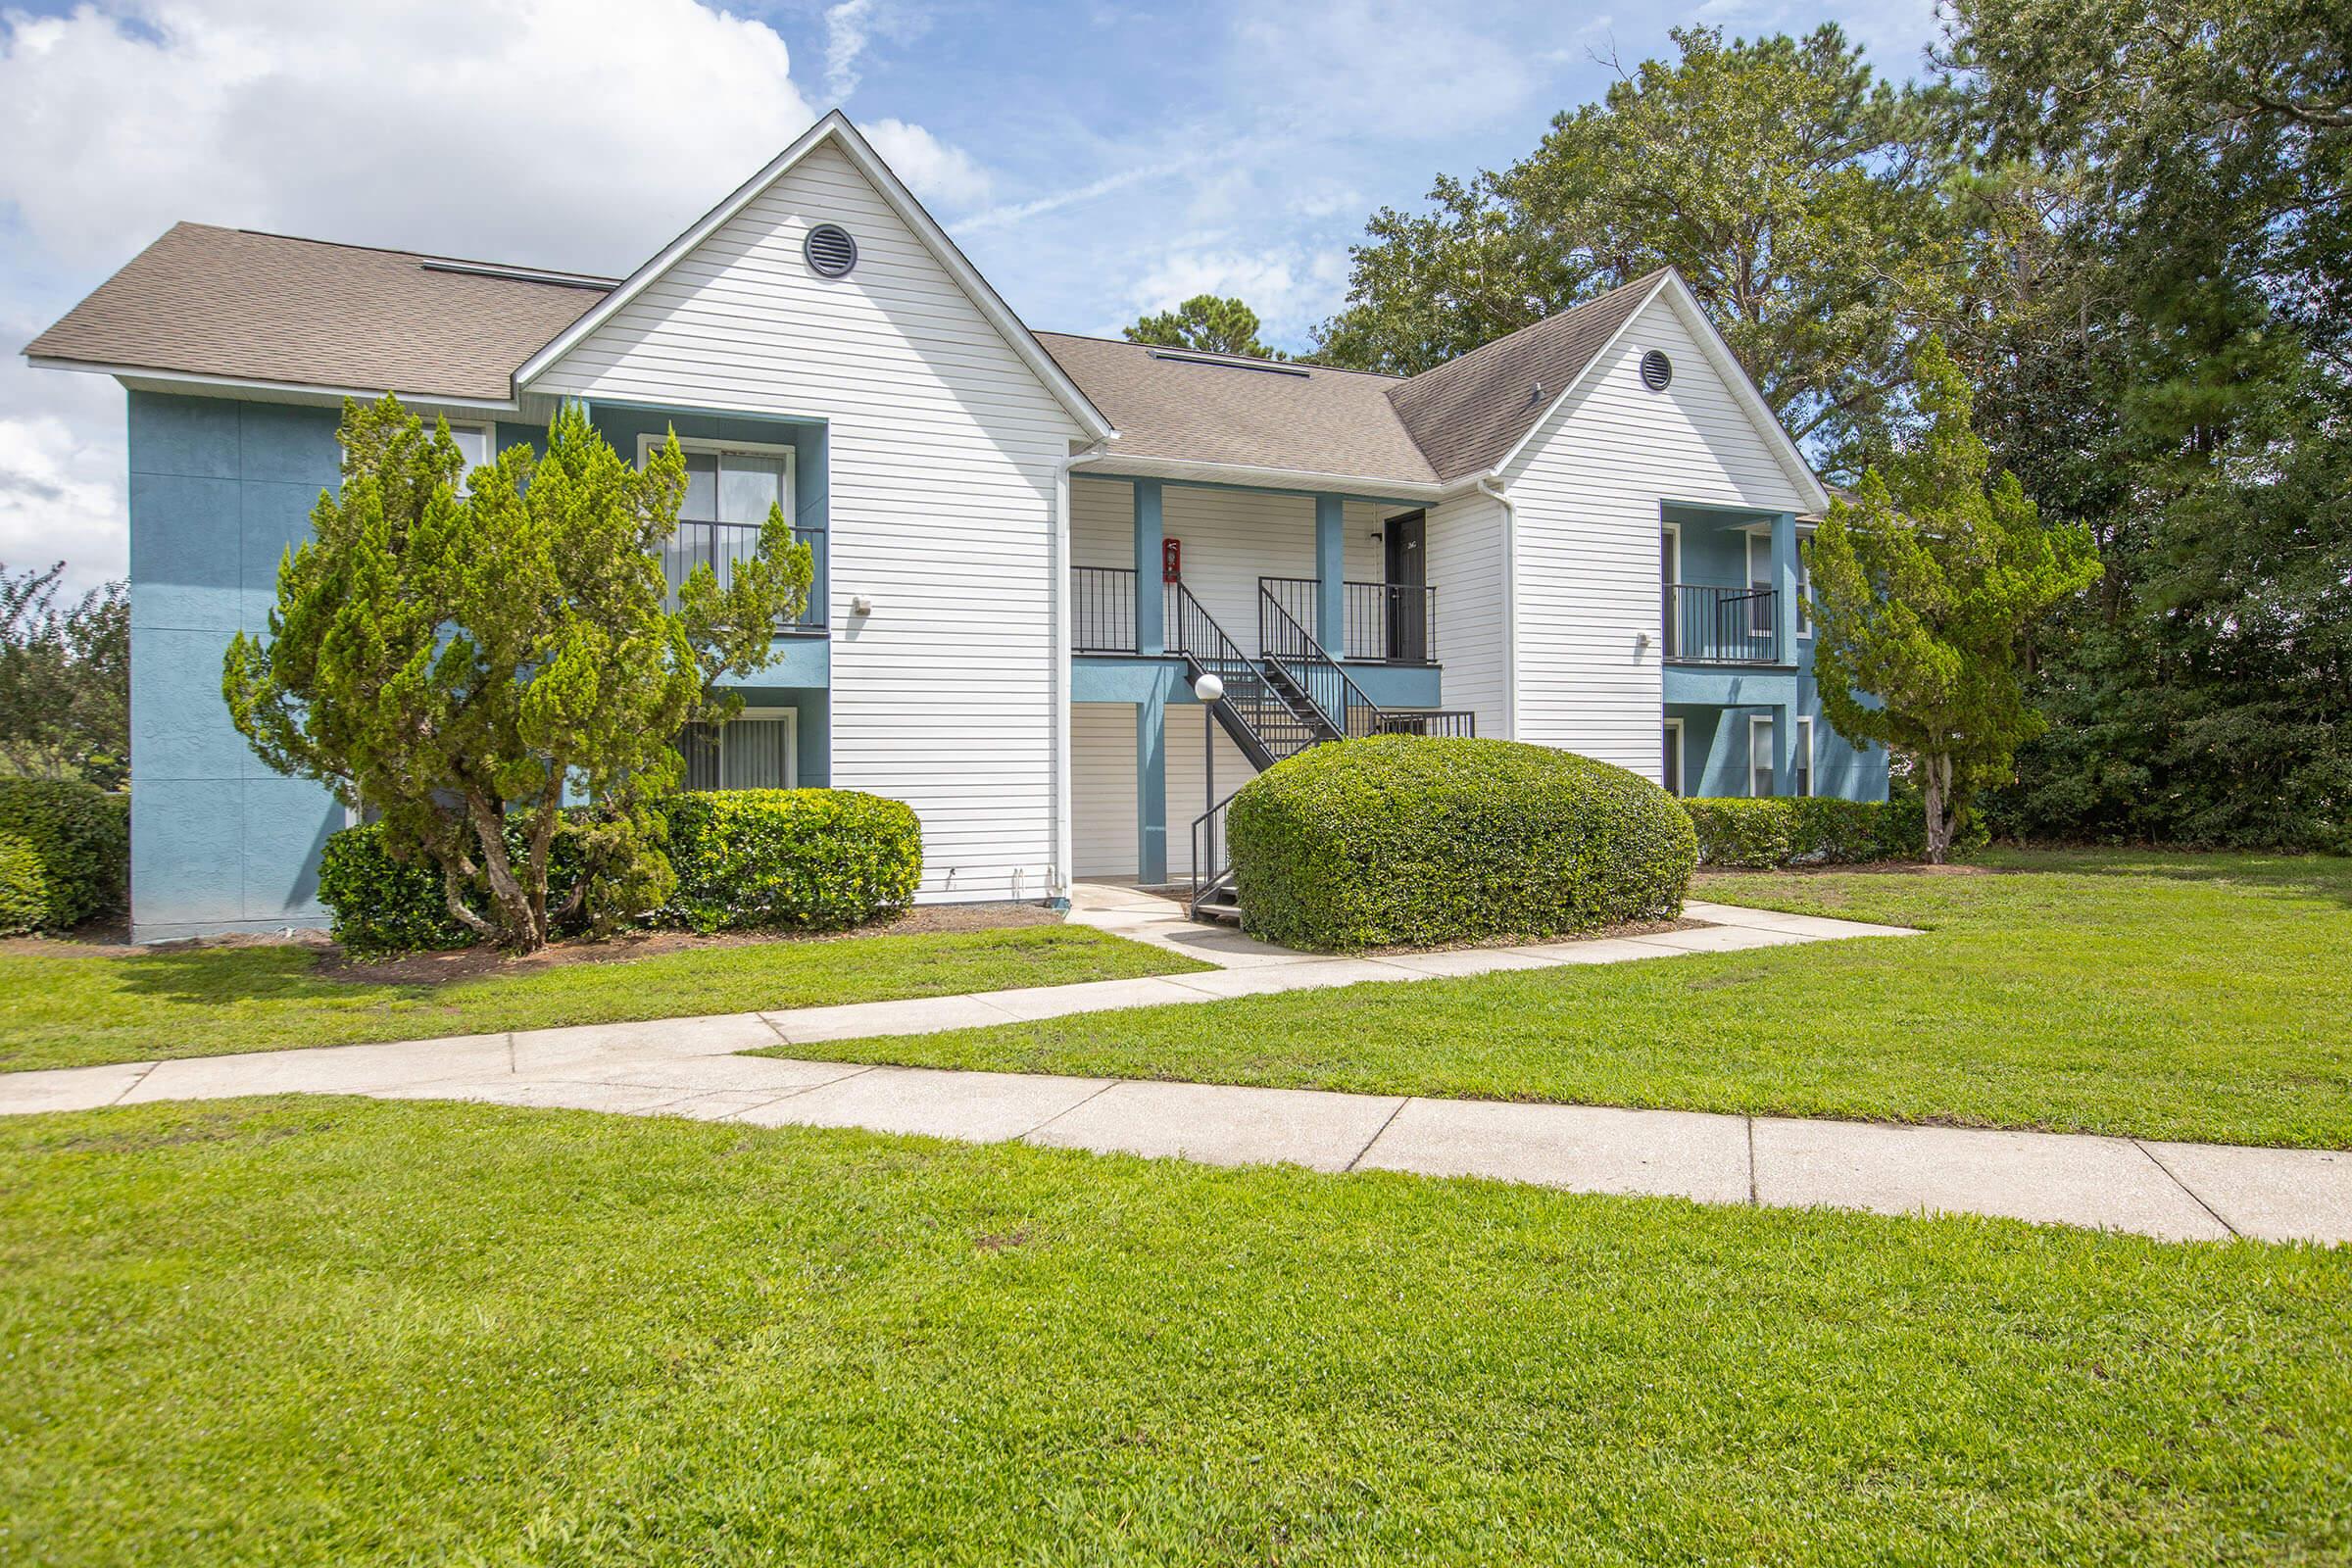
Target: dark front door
1407	607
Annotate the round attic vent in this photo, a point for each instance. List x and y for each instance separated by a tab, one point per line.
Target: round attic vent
830	251
1656	369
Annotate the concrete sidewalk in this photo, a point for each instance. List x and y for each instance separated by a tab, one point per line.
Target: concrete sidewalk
688	1068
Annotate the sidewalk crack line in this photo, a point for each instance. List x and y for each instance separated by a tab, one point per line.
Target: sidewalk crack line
1066	1110
2184	1186
1384	1125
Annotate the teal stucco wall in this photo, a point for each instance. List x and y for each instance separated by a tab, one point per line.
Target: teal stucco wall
220	489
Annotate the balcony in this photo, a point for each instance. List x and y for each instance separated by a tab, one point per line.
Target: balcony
719	544
1712	625
1380	623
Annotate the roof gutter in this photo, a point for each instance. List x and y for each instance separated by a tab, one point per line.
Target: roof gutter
1490	485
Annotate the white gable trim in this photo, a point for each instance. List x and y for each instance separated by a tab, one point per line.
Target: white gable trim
1727	368
836	129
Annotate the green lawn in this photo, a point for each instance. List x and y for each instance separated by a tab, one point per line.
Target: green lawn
2201	998
76	1011
326	1331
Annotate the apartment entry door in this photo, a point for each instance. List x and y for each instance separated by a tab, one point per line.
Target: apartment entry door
1407	573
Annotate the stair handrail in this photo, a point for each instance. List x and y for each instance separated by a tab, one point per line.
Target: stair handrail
1314	662
1220	652
1208	833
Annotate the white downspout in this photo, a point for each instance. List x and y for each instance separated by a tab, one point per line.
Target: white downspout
1491	484
1064	861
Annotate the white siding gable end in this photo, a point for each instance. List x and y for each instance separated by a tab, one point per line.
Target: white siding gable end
943	449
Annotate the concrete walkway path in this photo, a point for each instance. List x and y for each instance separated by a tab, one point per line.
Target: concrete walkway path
690	1067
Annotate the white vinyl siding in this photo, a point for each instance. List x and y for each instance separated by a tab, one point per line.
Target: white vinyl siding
1231	538
1103	781
942	451
1465	550
1589	488
1188	724
1102	789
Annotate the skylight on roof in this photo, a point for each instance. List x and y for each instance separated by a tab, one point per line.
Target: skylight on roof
517	275
1221	362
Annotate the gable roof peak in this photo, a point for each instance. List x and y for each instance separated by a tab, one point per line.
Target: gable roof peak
1471	412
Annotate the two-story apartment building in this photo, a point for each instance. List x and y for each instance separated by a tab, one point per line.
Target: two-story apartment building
1031	547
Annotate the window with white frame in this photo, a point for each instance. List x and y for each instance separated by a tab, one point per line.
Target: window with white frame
477	444
1671	763
1759	755
729	491
756	749
1804	756
1804	587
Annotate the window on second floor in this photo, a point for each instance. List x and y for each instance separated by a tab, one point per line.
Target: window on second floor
477	444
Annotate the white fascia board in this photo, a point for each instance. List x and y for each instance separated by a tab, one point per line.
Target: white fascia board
835	126
1727	366
1759	412
1113	465
145	379
1504	463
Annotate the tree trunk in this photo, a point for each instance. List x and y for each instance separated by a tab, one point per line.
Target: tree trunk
1935	785
520	927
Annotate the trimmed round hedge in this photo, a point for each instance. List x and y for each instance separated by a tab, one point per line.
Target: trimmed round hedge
82	836
815	859
23	888
1414	841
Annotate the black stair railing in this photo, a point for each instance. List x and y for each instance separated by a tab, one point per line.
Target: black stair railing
1295	659
1265	722
1212	873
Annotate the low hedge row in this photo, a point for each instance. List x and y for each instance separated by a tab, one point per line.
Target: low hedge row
23	888
821	859
1412	841
1780	830
811	859
81	835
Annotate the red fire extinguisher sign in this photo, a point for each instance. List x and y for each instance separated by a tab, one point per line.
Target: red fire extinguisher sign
1171	561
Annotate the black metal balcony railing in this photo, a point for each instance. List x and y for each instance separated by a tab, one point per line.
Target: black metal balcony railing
1102	609
1709	625
719	544
1380	623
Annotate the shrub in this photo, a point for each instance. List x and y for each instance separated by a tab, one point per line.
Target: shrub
820	859
82	836
380	906
1758	833
816	859
23	888
1403	840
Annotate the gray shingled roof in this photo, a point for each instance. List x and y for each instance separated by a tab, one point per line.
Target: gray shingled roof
227	302
1469	413
1304	418
231	302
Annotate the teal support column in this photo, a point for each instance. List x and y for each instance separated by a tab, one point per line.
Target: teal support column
1331	574
1150	630
1783	583
1151	788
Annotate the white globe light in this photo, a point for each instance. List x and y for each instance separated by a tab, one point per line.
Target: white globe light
1209	688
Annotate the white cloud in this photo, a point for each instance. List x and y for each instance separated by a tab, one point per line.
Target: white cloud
1290	288
941	175
1389	69
573	133
847	32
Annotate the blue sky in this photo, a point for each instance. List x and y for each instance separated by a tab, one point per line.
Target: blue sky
1095	161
